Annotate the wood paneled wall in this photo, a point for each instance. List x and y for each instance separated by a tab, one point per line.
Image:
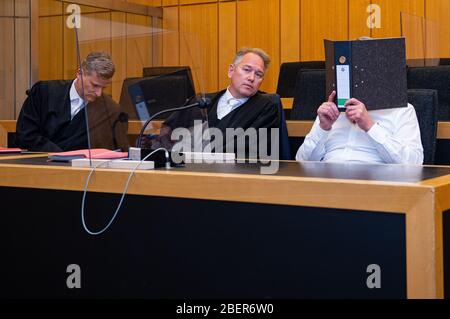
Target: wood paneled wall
129	38
289	30
205	34
14	55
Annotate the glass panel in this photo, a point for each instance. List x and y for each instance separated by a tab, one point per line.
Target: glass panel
6	68
68	33
14	55
422	40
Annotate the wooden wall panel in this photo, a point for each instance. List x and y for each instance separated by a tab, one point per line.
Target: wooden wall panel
412	12
7	69
438	11
199	43
51	45
86	9
70	63
22	8
227	40
157	44
258	25
118	52
358	19
153	3
321	19
169	2
171	36
7	8
196	1
390	15
22	57
50	7
51	26
95	35
289	31
139	44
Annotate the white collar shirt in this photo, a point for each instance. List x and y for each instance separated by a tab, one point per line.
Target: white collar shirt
393	139
228	103
76	102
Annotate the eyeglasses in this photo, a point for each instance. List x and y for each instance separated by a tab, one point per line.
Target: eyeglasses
248	70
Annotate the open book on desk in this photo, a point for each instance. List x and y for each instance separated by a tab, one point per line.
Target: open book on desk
96	153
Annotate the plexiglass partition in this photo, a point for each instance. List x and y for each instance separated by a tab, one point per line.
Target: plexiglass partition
422	40
15	47
133	40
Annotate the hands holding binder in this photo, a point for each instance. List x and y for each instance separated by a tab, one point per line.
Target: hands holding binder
328	113
355	111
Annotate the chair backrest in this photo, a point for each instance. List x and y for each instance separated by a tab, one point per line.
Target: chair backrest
285	151
444	61
434	78
425	103
310	93
160	70
159	93
288	75
165	70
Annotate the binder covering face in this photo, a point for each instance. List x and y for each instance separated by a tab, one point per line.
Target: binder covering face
372	71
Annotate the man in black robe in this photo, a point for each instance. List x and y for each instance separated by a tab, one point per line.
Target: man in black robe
241	105
52	117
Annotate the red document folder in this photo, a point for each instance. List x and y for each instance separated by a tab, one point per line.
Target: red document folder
96	153
4	150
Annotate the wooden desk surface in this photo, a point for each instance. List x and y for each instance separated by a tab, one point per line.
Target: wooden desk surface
285	169
14	156
421	193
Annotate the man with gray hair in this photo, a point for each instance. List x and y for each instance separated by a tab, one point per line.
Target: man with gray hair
240	106
52	117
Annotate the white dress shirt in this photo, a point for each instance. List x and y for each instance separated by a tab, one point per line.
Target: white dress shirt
76	102
228	103
393	139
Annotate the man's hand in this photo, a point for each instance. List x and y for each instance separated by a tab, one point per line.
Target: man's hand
328	113
357	113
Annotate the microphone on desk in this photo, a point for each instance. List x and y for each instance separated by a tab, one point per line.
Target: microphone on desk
137	152
122	118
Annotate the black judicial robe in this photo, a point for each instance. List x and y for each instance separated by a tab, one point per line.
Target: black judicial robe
258	112
44	122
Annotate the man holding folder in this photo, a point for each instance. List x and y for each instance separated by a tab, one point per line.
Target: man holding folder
380	136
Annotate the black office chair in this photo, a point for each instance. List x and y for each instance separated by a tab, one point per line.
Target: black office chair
425	103
444	61
159	93
285	151
161	70
310	93
288	75
434	78
179	71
